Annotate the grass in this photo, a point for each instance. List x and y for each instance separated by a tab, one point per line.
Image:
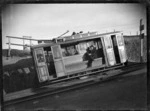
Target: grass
11	60
16	52
15	63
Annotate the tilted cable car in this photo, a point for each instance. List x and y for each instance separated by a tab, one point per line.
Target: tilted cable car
66	56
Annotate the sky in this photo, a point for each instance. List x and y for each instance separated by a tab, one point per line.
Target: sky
47	21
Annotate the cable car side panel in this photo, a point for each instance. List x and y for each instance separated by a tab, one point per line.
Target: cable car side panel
58	61
40	63
109	50
121	47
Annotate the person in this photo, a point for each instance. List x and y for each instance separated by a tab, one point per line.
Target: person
88	56
40	58
93	52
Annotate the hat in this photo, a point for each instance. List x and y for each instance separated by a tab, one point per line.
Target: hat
92	46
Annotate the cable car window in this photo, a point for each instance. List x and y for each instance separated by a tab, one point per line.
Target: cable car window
99	44
64	52
40	56
78	48
83	46
56	51
72	50
48	54
45	52
48	57
69	51
120	41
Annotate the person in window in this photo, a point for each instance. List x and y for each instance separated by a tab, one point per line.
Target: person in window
66	52
93	51
40	58
88	56
75	52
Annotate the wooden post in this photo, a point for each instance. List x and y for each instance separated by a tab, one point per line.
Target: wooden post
30	43
23	44
9	47
4	92
29	38
141	39
141	50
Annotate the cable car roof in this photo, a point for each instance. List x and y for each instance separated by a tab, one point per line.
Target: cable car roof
74	40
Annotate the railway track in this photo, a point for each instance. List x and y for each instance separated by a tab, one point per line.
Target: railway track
92	79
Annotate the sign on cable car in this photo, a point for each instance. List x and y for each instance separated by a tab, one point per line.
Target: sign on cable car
41	66
109	50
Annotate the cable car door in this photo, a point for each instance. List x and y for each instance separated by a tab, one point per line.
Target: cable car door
121	48
41	67
58	61
109	50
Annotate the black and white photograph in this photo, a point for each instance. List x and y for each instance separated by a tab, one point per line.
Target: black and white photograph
74	56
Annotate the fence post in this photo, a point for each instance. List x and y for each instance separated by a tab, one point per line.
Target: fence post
29	39
9	47
141	39
23	43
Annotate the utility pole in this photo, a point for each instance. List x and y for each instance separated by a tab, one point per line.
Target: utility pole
141	39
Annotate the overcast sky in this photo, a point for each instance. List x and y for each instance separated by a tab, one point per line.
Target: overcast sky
47	21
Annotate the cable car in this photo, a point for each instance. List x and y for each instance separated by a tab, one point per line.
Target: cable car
65	57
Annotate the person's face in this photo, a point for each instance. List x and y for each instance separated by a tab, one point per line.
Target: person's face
91	48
